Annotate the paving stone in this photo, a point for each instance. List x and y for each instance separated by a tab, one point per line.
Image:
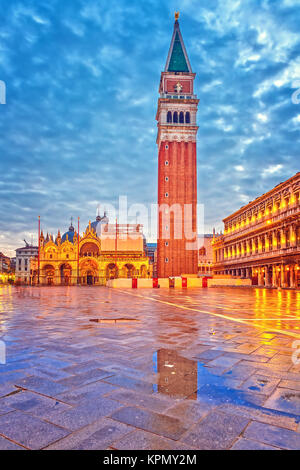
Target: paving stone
209	355
14	367
291	384
41	385
215	431
84	378
35	404
264	415
51	374
153	422
87	393
29	431
260	384
6	389
85	413
223	361
104	437
189	411
51	362
83	367
130	397
142	440
5	444
246	357
128	382
248	444
11	377
284	399
273	435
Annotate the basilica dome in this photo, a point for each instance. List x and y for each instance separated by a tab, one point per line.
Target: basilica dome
70	234
99	220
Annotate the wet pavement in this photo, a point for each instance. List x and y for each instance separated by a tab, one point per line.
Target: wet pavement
99	368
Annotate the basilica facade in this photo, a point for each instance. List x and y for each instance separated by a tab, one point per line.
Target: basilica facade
104	251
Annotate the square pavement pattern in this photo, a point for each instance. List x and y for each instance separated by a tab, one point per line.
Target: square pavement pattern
99	368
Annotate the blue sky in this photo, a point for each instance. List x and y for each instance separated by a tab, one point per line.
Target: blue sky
82	82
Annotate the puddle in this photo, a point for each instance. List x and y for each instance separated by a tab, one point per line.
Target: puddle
292	397
180	377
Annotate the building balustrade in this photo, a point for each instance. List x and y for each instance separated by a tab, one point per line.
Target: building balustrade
260	223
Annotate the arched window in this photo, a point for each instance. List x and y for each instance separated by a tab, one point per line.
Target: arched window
181	118
169	116
187	118
175	117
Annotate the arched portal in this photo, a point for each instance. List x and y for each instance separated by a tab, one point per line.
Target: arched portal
130	270
65	274
48	273
112	271
89	272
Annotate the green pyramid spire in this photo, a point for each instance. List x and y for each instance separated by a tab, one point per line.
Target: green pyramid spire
177	59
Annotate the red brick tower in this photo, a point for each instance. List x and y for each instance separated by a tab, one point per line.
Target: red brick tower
177	164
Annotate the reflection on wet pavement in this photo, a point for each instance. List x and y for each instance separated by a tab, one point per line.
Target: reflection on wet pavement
161	369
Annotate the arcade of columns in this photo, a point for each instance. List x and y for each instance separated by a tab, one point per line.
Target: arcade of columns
261	241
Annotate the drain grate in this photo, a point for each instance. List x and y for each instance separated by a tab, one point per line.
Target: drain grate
113	320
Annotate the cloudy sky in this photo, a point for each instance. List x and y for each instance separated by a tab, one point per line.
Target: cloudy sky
78	127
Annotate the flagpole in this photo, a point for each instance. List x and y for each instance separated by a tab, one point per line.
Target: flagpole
39	248
78	253
116	245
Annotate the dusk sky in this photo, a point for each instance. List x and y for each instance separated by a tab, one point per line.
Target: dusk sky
78	127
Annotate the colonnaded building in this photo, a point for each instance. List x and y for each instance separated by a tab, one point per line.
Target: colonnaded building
262	239
104	251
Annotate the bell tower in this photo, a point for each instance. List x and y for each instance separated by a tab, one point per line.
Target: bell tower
177	164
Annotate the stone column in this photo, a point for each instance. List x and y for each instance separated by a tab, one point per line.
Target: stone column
282	276
292	276
259	244
267	246
260	277
283	238
274	239
267	277
293	236
274	276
